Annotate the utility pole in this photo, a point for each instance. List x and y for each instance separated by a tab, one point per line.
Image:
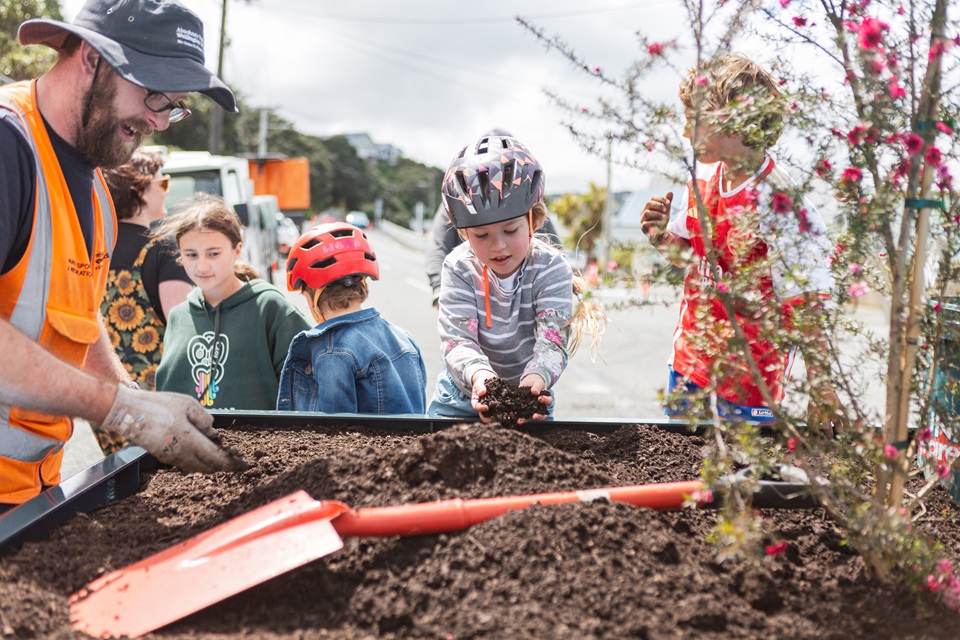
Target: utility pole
216	114
262	140
605	252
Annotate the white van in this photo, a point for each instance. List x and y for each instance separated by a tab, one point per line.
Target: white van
228	177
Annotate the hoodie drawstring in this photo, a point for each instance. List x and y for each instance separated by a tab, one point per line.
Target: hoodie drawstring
486	296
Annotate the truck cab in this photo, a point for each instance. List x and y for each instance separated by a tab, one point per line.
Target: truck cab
228	177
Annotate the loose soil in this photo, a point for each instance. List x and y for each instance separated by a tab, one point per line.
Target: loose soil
507	404
594	570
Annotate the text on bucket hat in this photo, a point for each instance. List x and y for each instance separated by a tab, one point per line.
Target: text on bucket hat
156	44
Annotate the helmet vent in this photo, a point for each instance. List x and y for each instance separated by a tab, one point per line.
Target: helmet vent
462	183
292	263
309	244
507	175
370	257
342	233
323	264
484	178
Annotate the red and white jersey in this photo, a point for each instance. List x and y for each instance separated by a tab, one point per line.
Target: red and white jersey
788	251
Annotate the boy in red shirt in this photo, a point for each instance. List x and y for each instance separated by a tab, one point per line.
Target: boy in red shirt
769	251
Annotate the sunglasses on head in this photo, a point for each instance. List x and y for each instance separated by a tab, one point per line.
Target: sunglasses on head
164	182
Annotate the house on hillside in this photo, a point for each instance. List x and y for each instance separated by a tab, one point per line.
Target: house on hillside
371	151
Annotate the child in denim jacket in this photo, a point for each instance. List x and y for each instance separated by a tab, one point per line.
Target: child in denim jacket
353	361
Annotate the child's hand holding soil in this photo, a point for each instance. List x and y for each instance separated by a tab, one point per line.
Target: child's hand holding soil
507	404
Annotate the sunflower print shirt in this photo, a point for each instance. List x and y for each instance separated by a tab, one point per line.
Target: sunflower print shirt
135	332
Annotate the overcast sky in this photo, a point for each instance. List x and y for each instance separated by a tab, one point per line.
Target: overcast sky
428	76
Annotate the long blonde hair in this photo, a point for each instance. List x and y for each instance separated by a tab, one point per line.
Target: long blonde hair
588	318
205	212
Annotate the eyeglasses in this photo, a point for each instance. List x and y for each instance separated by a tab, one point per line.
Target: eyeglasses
164	183
158	102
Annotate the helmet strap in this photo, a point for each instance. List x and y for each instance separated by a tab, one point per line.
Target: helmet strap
530	219
315	309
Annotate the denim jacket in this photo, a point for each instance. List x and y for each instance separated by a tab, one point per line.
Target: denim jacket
354	363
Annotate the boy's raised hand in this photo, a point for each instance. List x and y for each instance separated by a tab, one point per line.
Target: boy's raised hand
655	216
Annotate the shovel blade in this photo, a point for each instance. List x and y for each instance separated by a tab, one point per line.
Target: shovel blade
208	568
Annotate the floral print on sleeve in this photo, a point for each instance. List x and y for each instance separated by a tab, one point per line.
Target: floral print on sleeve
550	351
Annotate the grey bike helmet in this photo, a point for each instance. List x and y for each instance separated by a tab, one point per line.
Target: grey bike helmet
492	180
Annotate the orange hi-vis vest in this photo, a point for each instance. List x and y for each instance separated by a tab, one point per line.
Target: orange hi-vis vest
52	295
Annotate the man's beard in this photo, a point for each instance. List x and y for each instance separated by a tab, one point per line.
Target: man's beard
98	139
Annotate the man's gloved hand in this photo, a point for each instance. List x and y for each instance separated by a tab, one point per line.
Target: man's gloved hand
173	427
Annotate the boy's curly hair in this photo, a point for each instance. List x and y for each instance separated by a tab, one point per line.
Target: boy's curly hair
744	94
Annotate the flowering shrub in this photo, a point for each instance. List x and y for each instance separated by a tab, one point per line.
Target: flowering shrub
870	135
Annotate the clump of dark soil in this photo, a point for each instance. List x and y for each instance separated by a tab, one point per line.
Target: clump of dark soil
584	570
507	404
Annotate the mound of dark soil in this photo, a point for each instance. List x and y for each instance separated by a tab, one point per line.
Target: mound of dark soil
585	570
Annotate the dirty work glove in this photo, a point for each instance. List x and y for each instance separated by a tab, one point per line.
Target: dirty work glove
173	427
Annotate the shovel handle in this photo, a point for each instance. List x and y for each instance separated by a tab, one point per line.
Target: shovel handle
457	514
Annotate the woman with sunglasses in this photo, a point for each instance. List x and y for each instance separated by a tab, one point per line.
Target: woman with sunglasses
145	281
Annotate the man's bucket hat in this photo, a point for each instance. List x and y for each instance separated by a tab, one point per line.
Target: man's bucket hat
156	44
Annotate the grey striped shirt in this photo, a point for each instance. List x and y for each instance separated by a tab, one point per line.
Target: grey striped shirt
530	322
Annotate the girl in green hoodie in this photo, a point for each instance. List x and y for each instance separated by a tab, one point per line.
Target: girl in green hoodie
225	345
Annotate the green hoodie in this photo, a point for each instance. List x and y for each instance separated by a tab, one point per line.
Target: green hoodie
256	326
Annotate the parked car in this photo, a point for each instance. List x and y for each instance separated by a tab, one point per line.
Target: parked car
287	233
359	219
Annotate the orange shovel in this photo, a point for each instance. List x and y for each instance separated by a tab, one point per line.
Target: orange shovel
289	533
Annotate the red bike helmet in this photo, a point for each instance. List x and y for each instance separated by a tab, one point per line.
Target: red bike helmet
327	253
492	180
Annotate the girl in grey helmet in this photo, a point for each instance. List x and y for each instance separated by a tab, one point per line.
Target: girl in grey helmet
510	306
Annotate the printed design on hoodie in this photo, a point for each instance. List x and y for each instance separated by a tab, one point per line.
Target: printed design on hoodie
205	357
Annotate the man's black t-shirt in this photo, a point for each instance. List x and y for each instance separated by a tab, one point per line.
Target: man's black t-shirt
159	265
18	179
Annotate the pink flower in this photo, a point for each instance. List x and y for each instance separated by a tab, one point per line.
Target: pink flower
823	167
855	268
896	91
857	134
722	287
913	143
792	444
596	69
877	65
934	156
799	21
890	452
850	176
924	434
936	308
784	3
945	567
776	549
945	128
655	49
701	81
782	202
933	584
871	33
858	289
936	49
943	470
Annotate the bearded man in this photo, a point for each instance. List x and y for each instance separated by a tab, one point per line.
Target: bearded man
125	69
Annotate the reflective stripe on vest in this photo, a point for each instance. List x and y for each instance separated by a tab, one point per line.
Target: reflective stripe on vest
30	312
